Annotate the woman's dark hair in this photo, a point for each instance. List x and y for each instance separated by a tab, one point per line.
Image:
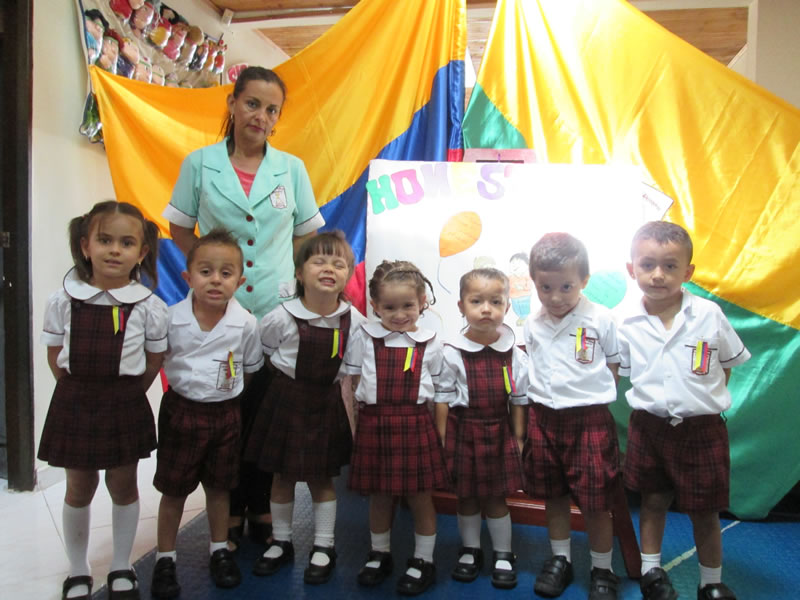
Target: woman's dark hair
400	271
79	229
247	75
331	243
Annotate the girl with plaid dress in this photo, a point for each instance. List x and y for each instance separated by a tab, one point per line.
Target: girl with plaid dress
106	334
301	431
482	372
397	450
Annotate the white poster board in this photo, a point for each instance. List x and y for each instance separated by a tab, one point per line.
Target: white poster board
449	217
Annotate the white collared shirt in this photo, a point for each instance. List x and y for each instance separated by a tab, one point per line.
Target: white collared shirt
666	377
360	359
452	387
561	375
280	338
145	329
197	363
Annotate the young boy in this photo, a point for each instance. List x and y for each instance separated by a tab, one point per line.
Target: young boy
214	348
571	451
678	350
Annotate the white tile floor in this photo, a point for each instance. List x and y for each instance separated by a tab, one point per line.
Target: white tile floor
33	563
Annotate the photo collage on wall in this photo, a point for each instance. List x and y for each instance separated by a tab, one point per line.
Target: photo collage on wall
146	41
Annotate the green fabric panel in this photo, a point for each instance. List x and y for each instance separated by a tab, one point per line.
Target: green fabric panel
485	127
764	419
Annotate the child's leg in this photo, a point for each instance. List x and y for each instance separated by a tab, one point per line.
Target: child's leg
600	529
652	519
470	555
557	511
708	539
123	488
170	511
323	495
218	509
379	560
498	521
280	550
81	486
420	573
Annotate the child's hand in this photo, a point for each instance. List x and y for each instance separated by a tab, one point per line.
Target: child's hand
520	444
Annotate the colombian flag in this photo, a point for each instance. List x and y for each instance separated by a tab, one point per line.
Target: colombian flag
596	81
387	81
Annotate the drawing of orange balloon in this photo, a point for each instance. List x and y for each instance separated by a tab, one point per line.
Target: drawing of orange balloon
460	232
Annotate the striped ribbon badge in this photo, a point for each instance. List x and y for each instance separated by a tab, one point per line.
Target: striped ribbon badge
411	358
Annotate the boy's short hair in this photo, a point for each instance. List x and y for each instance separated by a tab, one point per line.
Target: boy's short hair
663	233
218	236
555	251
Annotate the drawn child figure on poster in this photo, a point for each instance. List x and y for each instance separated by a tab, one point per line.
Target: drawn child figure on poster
521	286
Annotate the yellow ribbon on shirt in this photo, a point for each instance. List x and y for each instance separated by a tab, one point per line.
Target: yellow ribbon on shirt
335	350
230	364
119	319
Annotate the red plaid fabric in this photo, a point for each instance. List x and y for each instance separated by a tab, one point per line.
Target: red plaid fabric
397	449
97	419
482	454
691	458
572	451
302	430
197	442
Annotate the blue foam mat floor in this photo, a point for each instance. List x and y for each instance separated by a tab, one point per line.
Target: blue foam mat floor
760	562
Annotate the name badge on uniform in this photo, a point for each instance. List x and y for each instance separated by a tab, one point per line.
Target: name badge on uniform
584	346
701	357
226	375
278	197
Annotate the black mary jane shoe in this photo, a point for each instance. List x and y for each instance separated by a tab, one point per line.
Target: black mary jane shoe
267	566
315	574
505	579
715	591
372	576
130	575
74	581
554	578
467	572
413	586
224	570
165	579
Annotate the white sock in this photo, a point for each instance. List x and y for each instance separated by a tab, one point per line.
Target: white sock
214	546
500	532
601	560
172	554
469	526
381	542
561	548
76	539
281	527
324	525
423	546
124	521
709	575
650	561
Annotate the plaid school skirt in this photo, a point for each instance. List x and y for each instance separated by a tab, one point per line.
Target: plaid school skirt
301	430
397	451
482	456
97	423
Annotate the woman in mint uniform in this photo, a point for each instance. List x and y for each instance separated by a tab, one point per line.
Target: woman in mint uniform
264	197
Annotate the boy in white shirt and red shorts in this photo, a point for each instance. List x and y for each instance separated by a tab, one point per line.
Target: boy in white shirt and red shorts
678	350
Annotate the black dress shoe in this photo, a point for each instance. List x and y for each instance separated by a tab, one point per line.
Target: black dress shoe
73	581
314	574
655	585
268	566
224	570
505	579
554	578
467	572
371	576
165	579
130	575
603	585
412	586
715	591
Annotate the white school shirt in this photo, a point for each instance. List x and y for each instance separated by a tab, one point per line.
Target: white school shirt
280	338
360	359
145	329
660	362
562	377
452	387
197	364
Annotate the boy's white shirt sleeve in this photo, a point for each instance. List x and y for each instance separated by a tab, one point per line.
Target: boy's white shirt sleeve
519	362
610	341
732	351
252	352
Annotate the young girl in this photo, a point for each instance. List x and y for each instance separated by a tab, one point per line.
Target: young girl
397	451
106	334
301	432
482	371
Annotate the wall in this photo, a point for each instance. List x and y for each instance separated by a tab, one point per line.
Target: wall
68	173
774	47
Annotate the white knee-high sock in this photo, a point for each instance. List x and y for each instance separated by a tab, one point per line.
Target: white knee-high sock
281	527
500	532
124	521
469	526
76	539
324	525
